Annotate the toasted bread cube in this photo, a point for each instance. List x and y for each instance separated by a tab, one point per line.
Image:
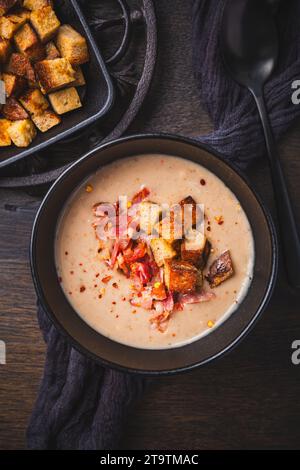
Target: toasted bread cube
46	120
5	5
192	213
196	250
5	50
149	216
13	84
13	111
170	227
20	65
79	77
37	4
72	45
181	276
162	250
22	132
5	139
220	270
51	51
65	101
21	15
28	43
45	22
54	74
34	101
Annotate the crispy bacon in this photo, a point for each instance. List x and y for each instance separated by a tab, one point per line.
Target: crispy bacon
143	299
135	252
141	271
160	321
114	255
196	297
168	303
140	196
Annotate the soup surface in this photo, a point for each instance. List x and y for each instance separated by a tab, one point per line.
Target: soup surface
101	295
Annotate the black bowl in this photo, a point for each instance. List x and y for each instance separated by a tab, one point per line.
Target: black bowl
97	95
128	358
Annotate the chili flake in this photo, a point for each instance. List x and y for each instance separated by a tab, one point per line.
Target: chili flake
106	279
202	182
82	289
115	285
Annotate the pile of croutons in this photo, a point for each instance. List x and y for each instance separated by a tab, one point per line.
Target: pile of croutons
40	63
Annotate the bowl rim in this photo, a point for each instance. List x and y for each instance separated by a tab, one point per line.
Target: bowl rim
89	120
82	349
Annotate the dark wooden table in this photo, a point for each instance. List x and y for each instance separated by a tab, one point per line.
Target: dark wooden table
248	399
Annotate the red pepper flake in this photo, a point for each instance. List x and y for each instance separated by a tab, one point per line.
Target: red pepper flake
208	222
80	264
133	311
106	279
60	279
100	296
70	293
115	285
82	289
66	253
173	334
114	303
208	229
124	299
95	285
71	272
202	182
117	316
97	275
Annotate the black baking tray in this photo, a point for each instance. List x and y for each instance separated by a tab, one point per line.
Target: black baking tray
98	92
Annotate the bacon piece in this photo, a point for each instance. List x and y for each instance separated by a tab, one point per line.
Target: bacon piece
143	299
135	253
141	271
160	321
122	265
168	303
141	195
195	297
114	255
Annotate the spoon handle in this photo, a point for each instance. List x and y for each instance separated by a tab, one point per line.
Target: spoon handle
286	219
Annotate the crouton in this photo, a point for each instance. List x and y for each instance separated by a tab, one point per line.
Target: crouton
220	270
22	132
192	213
20	65
65	101
162	250
79	77
51	51
72	45
54	74
181	276
28	43
34	101
5	50
20	16
13	84
170	227
13	111
5	5
149	216
45	22
8	27
37	4
46	120
196	250
5	139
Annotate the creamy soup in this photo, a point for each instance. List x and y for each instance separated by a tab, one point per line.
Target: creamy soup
100	295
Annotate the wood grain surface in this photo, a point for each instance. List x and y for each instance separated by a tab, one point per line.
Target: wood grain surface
247	399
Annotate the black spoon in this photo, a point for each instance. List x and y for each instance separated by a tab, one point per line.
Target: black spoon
249	41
